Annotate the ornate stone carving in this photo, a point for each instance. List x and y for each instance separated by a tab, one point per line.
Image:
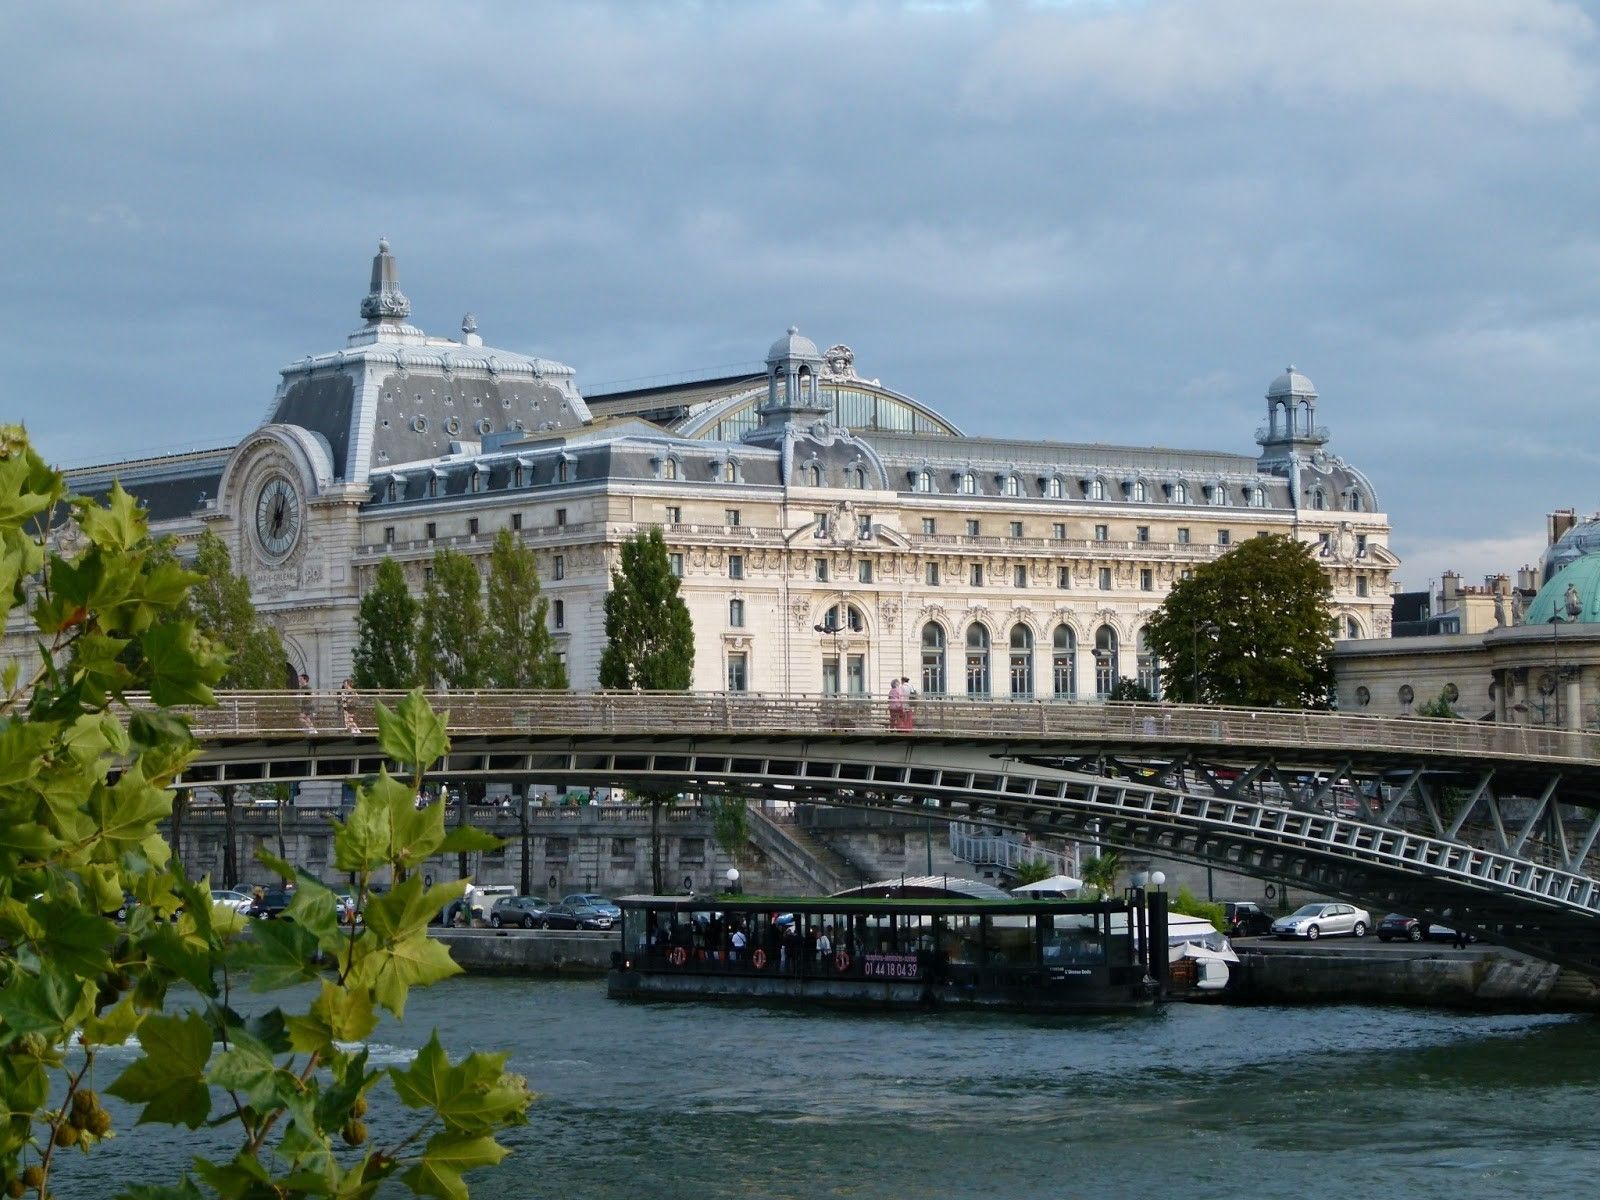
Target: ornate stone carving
840	361
800	614
889	614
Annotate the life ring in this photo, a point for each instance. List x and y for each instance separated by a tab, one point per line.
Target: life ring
678	957
841	960
1272	892
758	959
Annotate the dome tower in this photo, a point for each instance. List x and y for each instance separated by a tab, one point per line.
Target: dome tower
1291	426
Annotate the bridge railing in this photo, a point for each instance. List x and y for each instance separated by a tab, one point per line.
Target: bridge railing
321	714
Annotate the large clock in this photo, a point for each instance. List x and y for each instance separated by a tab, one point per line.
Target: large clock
277	516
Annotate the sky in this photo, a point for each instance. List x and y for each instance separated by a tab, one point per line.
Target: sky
1104	222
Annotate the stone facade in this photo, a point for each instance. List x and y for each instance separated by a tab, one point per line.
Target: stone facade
831	533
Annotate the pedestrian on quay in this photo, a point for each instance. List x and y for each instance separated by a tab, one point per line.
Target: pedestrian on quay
905	688
736	944
897	705
306	722
347	705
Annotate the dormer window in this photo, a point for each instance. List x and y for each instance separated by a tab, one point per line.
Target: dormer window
969	483
391	490
1219	494
1258	497
475	482
924	481
1140	492
669	468
1353	501
858	477
1180	493
1319	499
1013	486
1053	488
433	486
516	475
814	475
563	470
1095	489
730	472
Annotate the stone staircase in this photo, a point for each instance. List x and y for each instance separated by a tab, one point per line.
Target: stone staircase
804	856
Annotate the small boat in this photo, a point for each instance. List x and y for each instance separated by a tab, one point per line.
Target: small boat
884	951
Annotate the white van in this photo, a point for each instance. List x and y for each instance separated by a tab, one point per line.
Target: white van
480	899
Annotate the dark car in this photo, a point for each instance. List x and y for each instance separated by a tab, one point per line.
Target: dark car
594	900
271	903
576	916
1246	918
526	911
1401	927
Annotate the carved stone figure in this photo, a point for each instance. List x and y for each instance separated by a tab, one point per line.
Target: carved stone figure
1499	609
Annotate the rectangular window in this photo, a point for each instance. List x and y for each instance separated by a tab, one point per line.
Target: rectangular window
1105	579
430	531
674	514
1324	542
975	575
516	522
558	613
1361	585
735	566
1223	537
558	567
561	517
1361	545
736	614
864	526
738	672
556	849
1019	577
388	535
1063	577
821	567
622	847
932	574
730	516
821	520
1016	529
1102	533
1183	535
1144	533
1058	530
472	526
972	528
1263	533
1147	579
929	526
675	561
427	574
691	850
864	571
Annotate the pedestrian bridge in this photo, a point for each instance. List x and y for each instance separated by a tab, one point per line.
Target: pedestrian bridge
1492	827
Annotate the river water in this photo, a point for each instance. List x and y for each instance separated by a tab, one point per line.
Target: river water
707	1102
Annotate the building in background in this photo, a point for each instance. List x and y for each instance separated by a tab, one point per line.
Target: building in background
831	532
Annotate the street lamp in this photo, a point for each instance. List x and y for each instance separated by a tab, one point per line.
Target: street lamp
733	880
1210	630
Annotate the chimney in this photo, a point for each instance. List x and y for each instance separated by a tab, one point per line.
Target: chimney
1527	579
1559	522
1449	589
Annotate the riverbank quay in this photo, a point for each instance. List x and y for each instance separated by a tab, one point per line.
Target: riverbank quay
1347	971
527	952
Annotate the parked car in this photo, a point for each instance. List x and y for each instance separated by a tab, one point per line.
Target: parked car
1246	918
1398	925
594	900
270	903
233	898
526	911
480	898
1327	919
576	916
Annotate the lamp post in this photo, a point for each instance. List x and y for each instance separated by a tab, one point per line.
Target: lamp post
1210	630
733	881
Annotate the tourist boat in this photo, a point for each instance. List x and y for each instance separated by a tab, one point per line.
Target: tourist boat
895	951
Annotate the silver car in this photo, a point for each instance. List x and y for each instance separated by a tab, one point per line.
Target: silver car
1330	919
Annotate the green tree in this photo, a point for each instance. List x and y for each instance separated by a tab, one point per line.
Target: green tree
1253	627
649	643
85	780
1032	870
1100	872
223	611
520	651
386	633
1440	708
452	647
1130	691
730	824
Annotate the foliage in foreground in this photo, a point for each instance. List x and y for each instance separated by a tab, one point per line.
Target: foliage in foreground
84	782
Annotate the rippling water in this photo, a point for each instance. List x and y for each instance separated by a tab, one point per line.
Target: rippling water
645	1101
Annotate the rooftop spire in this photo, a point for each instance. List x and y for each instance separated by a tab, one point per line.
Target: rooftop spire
384	300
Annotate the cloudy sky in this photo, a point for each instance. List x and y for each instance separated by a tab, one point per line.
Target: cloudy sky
1088	221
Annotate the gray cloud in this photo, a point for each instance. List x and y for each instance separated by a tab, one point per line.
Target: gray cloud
1111	222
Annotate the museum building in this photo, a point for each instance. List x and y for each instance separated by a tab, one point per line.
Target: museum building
831	533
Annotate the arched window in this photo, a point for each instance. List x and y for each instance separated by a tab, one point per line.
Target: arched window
1063	662
433	486
1352	627
814	475
1054	489
563	469
1095	489
1258	497
932	660
977	660
1141	491
391	491
1021	663
669	468
730	472
1180	493
1149	666
1105	661
1319	500
1354	504
1219	494
924	481
1013	486
849	619
969	483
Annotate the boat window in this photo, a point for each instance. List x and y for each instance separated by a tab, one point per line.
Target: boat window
1010	941
963	938
1073	942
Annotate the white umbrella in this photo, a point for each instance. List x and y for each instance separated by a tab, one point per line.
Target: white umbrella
1056	883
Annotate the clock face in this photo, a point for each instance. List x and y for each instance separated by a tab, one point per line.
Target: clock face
277	516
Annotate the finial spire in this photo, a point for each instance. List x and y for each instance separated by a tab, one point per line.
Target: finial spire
384	300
